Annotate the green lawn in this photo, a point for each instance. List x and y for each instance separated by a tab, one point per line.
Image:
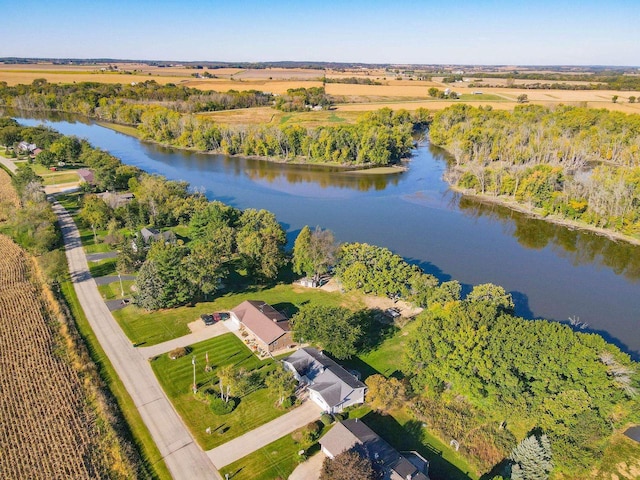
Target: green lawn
60	178
276	460
104	267
176	377
112	291
136	429
150	328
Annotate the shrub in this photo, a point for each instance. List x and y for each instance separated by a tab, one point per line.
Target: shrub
326	419
177	353
220	407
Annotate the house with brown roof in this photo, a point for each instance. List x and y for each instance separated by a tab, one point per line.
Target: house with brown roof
330	386
355	435
269	328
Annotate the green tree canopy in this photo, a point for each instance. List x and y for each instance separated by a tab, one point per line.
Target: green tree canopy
334	329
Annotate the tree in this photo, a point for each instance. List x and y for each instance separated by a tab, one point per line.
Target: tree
348	465
531	459
260	242
632	99
335	329
492	294
149	287
171	263
313	252
523	98
384	394
614	99
281	383
95	213
433	92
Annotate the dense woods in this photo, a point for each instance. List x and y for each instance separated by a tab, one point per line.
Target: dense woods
123	103
577	163
378	138
165	114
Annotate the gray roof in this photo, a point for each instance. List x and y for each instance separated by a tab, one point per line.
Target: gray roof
327	378
355	434
633	433
149	234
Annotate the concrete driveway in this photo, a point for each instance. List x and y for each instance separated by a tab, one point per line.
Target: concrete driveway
206	333
255	439
309	470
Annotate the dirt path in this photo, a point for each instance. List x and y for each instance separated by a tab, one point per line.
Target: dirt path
184	459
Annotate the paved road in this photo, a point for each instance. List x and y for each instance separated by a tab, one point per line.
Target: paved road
182	455
206	333
9	164
255	439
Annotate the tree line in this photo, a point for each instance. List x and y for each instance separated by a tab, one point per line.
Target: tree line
123	103
378	138
576	163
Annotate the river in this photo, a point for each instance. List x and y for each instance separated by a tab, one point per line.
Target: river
552	272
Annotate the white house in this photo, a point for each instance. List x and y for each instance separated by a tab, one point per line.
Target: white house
329	385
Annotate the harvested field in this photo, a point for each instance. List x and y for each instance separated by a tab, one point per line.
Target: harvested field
48	432
270	116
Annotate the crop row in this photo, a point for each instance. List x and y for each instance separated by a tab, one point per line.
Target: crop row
47	429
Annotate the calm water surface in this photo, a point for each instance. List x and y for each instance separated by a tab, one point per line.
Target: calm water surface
552	272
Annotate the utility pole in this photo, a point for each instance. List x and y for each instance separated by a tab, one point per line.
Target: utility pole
193	362
121	289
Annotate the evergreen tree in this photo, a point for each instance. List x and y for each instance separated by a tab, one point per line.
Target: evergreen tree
531	459
149	287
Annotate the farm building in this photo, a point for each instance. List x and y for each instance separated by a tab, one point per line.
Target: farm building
330	385
354	434
270	328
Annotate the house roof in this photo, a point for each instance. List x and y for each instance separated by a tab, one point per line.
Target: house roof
348	434
86	175
264	321
633	433
327	377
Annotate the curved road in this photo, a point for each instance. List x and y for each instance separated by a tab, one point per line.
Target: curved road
183	456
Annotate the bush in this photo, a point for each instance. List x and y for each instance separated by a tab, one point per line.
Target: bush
177	353
338	417
326	419
307	434
220	407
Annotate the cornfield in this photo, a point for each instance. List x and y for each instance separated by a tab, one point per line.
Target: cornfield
47	430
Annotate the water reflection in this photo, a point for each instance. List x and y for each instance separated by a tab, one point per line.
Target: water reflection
578	246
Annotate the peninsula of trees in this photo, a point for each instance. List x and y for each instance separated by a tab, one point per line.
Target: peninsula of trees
573	163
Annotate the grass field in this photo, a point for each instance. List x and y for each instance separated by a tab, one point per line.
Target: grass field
112	290
176	377
103	268
150	328
60	178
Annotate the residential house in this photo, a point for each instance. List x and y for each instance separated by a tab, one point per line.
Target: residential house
329	385
354	434
115	200
633	433
87	176
269	328
152	235
27	147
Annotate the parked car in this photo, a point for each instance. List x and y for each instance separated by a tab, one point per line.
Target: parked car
208	319
221	316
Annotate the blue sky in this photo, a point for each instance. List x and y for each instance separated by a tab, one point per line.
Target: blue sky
594	32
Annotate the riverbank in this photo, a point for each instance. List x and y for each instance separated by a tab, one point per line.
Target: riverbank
538	214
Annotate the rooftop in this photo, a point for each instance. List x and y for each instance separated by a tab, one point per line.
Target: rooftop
264	321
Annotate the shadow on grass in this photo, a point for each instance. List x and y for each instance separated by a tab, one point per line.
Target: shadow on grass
408	437
103	269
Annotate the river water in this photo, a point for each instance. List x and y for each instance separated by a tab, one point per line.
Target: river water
552	272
